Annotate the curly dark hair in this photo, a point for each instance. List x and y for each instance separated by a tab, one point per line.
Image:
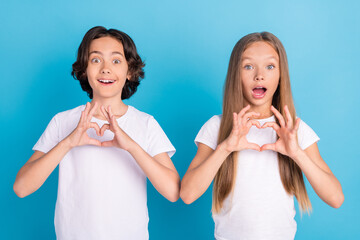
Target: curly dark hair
135	64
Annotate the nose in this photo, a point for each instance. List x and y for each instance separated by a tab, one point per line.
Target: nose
105	69
259	76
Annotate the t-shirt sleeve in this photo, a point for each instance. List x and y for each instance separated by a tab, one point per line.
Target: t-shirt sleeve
209	132
158	141
306	136
49	138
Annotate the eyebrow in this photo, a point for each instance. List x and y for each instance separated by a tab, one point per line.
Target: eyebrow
249	58
100	53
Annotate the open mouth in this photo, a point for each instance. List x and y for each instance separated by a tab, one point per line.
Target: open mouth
259	92
106	81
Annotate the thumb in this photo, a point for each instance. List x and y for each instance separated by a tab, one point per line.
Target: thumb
268	147
253	146
95	142
107	144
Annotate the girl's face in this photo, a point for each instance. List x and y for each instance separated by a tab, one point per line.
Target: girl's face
260	74
107	68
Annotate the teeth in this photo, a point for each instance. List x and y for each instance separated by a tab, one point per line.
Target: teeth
260	88
105	81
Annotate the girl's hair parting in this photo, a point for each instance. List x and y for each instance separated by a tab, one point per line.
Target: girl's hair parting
135	64
233	101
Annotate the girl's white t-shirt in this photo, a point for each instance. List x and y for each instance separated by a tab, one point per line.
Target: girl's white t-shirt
259	207
102	190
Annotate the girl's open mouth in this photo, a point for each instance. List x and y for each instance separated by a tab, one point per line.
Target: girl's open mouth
106	81
259	92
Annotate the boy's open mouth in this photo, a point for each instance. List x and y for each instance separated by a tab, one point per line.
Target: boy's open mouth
259	92
106	81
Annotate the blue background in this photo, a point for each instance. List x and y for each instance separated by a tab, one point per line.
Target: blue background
186	46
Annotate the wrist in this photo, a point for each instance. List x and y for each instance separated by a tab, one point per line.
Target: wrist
297	155
222	147
132	146
66	143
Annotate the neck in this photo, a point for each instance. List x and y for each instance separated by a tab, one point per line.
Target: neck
263	109
118	107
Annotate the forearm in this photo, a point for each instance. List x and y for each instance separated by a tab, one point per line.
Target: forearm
197	180
165	180
34	173
325	184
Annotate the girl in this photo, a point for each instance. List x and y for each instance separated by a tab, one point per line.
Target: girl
257	150
105	149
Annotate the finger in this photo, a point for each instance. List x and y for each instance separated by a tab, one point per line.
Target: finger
243	111
268	147
114	123
94	142
297	124
92	111
106	115
247	116
110	111
278	116
87	108
104	128
107	144
112	118
289	123
96	127
253	123
235	122
273	125
82	117
253	146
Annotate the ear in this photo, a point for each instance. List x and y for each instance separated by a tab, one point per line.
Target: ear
84	75
128	75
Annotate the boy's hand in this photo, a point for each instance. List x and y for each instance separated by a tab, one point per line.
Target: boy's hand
79	136
121	139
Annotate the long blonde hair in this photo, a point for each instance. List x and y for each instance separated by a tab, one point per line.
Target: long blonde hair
290	172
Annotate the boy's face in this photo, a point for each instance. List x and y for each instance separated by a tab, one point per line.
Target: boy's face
107	68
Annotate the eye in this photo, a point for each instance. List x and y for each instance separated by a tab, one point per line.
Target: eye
116	61
270	67
248	67
95	60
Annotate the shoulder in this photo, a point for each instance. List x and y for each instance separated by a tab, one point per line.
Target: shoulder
71	113
303	127
143	128
139	117
141	120
69	118
306	135
209	132
136	113
213	122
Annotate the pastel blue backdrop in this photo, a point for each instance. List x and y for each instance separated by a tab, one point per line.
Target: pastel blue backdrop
186	46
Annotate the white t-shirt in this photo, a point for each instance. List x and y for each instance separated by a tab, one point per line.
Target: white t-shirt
102	190
259	207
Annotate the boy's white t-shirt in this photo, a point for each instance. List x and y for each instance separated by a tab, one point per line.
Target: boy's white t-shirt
259	207
102	190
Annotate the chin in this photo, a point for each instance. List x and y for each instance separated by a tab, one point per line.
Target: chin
260	102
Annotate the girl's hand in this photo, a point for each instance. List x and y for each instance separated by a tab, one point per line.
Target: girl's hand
121	139
79	136
237	141
287	143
